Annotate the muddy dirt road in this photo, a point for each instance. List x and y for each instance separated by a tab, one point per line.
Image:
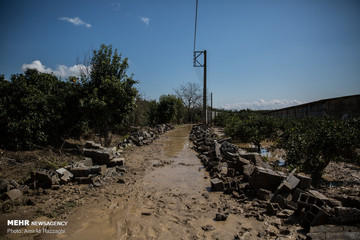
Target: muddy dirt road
165	196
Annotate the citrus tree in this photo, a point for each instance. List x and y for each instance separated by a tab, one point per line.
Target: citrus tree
311	143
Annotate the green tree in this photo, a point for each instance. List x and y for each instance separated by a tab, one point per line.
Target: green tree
311	143
170	109
33	109
111	92
253	128
152	114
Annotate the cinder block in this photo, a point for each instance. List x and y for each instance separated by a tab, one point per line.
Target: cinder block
217	184
117	162
266	179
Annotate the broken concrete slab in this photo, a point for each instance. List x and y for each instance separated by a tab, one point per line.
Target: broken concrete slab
217	184
263	194
256	159
65	175
85	171
217	147
88	162
265	178
45	178
248	171
347	215
273	208
334	232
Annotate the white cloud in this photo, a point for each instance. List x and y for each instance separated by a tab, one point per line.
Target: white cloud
76	21
261	104
145	20
61	70
116	6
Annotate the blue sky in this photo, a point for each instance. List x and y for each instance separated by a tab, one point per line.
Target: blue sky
261	53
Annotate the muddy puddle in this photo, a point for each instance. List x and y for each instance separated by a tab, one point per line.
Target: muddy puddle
170	201
182	170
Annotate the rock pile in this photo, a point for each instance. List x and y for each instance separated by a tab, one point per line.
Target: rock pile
247	176
10	189
145	137
99	164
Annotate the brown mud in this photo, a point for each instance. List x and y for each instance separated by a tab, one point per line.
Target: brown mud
165	194
168	200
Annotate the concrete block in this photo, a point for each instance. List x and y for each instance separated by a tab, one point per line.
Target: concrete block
347	215
86	171
14	194
65	175
307	200
45	178
93	145
247	171
265	178
256	159
263	194
99	156
217	184
217	147
117	162
84	180
305	181
88	162
273	208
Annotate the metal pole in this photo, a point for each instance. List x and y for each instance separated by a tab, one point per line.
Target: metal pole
211	110
204	91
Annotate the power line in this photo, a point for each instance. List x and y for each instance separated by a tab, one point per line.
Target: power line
195	23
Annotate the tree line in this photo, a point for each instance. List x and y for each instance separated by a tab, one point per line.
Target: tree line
39	109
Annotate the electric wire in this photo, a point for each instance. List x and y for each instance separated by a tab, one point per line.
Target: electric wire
195	23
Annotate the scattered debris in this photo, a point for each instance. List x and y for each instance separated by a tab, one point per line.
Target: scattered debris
286	195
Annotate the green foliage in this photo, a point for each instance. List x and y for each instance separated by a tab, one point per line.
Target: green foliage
170	109
250	127
34	109
110	92
39	109
311	143
152	113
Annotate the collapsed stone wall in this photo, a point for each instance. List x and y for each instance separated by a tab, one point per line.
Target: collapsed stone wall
246	176
98	166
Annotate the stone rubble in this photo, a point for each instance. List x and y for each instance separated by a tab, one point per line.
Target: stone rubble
246	176
99	164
